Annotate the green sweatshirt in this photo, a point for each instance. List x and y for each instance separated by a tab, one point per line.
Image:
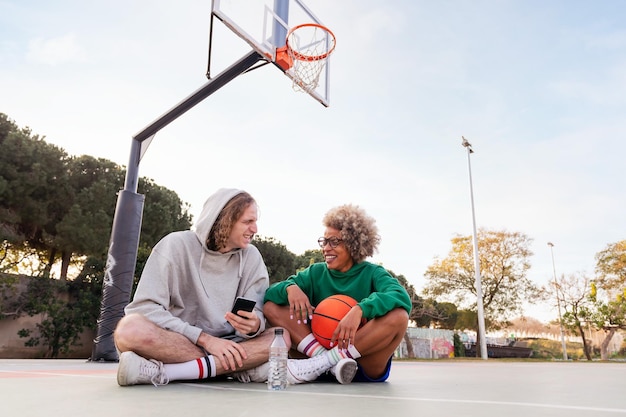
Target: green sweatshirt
375	290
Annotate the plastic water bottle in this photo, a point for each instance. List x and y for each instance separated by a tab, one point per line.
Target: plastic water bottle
277	379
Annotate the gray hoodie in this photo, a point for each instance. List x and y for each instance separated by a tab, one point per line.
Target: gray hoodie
187	288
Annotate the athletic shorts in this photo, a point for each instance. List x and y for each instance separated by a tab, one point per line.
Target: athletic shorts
362	377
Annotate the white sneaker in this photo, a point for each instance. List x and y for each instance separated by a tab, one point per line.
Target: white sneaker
306	370
345	370
258	374
134	370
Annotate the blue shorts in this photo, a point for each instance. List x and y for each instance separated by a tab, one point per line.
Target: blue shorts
362	377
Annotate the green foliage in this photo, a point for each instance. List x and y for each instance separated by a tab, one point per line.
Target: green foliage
6	126
53	206
163	212
86	226
33	190
9	287
309	257
611	266
466	319
609	314
67	307
459	347
279	260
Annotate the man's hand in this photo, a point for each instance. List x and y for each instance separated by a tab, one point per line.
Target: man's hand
247	322
230	354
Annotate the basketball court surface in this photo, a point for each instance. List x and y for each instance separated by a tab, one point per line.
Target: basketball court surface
69	388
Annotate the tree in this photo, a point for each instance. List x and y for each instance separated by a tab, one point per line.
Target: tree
466	319
67	308
163	212
611	267
53	206
8	217
10	288
310	256
610	308
574	292
85	227
279	260
6	126
609	315
504	264
34	191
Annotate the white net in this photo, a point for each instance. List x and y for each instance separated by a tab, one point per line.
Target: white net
309	47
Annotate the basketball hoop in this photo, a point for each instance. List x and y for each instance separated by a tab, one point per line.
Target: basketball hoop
308	47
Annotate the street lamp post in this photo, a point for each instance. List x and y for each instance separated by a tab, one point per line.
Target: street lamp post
479	290
558	302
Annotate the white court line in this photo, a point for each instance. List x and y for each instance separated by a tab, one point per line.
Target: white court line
412	399
26	374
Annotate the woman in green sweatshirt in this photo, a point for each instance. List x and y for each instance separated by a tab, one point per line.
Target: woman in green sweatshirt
374	327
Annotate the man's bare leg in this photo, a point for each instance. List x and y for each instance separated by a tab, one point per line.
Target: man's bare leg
140	335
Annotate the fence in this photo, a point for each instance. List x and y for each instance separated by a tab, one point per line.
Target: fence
428	343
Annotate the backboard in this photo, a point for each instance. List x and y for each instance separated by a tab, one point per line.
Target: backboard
264	25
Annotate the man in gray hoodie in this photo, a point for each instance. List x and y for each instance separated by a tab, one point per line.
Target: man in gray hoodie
179	325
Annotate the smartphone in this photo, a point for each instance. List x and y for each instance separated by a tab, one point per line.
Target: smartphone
243	304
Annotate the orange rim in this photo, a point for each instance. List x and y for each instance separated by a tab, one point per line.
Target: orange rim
310	58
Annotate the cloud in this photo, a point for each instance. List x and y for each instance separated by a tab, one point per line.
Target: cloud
55	51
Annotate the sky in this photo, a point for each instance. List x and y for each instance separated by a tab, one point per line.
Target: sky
538	88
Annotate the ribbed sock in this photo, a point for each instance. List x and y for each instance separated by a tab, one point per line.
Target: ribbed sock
200	368
310	346
335	355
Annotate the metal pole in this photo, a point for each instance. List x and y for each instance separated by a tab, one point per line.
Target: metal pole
124	241
558	302
477	279
279	32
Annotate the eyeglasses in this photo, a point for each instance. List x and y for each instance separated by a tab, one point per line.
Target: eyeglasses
332	241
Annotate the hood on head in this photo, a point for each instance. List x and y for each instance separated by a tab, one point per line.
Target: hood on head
211	209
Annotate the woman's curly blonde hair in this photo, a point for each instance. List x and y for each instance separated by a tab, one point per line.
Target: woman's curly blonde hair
358	230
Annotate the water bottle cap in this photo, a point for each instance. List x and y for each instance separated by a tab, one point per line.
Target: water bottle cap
278	331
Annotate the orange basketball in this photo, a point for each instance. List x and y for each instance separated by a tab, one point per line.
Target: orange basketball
327	315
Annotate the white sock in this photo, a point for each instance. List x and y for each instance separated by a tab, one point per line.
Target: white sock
200	368
335	355
310	346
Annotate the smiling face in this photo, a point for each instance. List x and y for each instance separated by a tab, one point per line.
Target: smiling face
243	230
337	258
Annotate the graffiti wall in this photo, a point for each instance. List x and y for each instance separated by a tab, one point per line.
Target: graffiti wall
428	344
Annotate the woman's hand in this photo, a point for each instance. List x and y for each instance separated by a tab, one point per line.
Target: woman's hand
299	305
345	333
